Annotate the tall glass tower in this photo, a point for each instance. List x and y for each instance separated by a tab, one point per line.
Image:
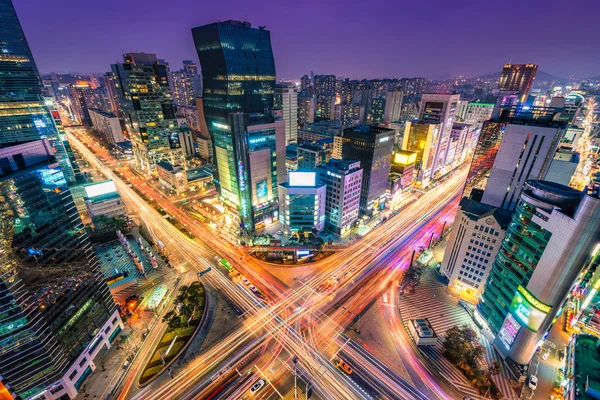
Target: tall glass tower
56	312
238	72
24	116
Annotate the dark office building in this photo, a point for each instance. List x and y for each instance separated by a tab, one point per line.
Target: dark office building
517	77
238	72
56	312
372	146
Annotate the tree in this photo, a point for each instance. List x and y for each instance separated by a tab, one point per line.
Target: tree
172	319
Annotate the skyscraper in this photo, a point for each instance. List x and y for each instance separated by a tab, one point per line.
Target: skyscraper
552	232
238	72
517	78
286	99
526	152
24	115
148	109
57	312
372	146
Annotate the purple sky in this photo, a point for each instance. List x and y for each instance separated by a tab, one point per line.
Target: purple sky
351	38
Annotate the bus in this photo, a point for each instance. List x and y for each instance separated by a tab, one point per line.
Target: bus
226	264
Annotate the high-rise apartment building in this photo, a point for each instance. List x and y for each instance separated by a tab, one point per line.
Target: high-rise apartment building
372	146
249	147
148	109
324	85
57	312
286	99
393	106
553	231
440	108
325	107
343	179
377	110
307	108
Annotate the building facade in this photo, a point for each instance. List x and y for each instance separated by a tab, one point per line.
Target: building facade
249	147
393	107
302	202
422	137
146	101
57	310
553	231
440	109
286	99
474	241
343	180
107	125
372	146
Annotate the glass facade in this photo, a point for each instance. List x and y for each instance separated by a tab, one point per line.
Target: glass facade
53	299
519	254
238	72
484	155
23	114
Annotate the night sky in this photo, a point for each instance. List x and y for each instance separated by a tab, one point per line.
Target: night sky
352	38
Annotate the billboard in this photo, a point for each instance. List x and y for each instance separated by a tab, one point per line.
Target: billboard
262	191
405	158
527	310
297	178
99	189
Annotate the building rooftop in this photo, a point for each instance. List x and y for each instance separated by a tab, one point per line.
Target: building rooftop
198	173
587	367
103	113
481	210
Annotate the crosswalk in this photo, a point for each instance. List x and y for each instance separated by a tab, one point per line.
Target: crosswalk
432	300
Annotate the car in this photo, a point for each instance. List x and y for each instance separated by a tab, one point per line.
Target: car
279	233
545	355
253	288
344	367
560	355
256	387
246	281
533	381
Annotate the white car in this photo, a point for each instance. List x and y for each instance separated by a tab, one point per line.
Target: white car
545	355
533	381
256	387
253	288
246	281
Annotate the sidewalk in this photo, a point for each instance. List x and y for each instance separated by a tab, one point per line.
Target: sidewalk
432	300
111	363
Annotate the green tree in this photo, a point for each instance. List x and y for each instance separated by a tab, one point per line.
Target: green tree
172	319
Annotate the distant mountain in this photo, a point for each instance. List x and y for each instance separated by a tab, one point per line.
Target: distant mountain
540	76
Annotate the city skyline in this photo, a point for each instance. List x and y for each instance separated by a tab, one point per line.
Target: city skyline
95	38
